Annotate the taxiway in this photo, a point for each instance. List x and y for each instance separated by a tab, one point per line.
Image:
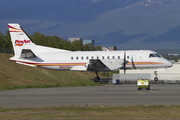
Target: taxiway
109	95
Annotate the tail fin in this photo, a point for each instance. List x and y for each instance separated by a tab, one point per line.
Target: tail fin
19	39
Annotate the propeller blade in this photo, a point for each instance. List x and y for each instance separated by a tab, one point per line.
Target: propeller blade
124	65
133	63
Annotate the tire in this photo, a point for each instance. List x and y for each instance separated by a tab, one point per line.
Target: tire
156	78
96	79
148	88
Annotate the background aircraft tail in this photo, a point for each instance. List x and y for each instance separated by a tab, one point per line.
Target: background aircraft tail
19	39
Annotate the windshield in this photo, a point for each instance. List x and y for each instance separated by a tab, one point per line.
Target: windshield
158	55
154	55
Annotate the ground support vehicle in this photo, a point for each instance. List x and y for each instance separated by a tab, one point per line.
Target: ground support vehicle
143	83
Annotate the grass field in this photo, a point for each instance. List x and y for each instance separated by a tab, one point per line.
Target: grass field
16	76
94	112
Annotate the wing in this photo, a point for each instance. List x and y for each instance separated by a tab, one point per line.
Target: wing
104	65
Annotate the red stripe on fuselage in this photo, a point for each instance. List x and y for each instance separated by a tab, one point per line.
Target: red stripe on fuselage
51	64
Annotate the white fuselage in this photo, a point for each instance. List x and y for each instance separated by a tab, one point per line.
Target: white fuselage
78	60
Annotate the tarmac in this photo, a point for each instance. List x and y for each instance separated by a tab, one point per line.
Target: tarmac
108	95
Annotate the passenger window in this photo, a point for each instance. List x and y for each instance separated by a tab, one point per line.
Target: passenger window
82	58
118	57
107	57
127	57
102	57
76	58
71	58
113	57
92	57
97	57
87	58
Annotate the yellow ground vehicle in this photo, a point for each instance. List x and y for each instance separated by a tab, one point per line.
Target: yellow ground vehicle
143	83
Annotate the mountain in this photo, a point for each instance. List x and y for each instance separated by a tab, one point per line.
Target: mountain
128	24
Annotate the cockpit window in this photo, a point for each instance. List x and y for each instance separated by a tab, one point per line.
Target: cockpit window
152	55
157	55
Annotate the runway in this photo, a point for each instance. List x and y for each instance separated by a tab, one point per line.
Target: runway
109	95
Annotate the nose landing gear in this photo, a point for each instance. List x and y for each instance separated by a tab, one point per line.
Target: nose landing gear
156	78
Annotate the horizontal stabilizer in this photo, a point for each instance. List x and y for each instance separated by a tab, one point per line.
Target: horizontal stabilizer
27	53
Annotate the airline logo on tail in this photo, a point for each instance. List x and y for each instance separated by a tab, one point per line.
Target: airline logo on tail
17	30
21	42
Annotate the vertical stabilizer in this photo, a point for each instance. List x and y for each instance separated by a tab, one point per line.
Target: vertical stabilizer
19	39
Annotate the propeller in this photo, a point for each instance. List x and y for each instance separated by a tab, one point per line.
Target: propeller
133	63
124	63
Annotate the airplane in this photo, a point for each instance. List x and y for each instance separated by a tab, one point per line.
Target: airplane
30	54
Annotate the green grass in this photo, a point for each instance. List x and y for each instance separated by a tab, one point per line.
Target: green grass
16	76
93	112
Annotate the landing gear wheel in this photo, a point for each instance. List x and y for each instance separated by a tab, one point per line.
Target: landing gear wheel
139	88
96	79
156	78
148	88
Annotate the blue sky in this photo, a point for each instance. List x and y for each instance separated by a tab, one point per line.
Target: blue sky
135	24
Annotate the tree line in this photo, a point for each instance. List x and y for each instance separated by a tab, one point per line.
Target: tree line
49	41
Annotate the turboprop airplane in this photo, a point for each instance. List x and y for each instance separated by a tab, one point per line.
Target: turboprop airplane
28	53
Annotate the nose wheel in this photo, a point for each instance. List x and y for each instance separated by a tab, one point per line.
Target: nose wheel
156	78
96	78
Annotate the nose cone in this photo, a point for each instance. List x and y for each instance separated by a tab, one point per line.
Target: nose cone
169	64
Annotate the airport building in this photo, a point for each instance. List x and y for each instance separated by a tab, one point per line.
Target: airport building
73	39
86	41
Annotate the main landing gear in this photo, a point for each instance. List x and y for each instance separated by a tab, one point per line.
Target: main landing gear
156	78
96	78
